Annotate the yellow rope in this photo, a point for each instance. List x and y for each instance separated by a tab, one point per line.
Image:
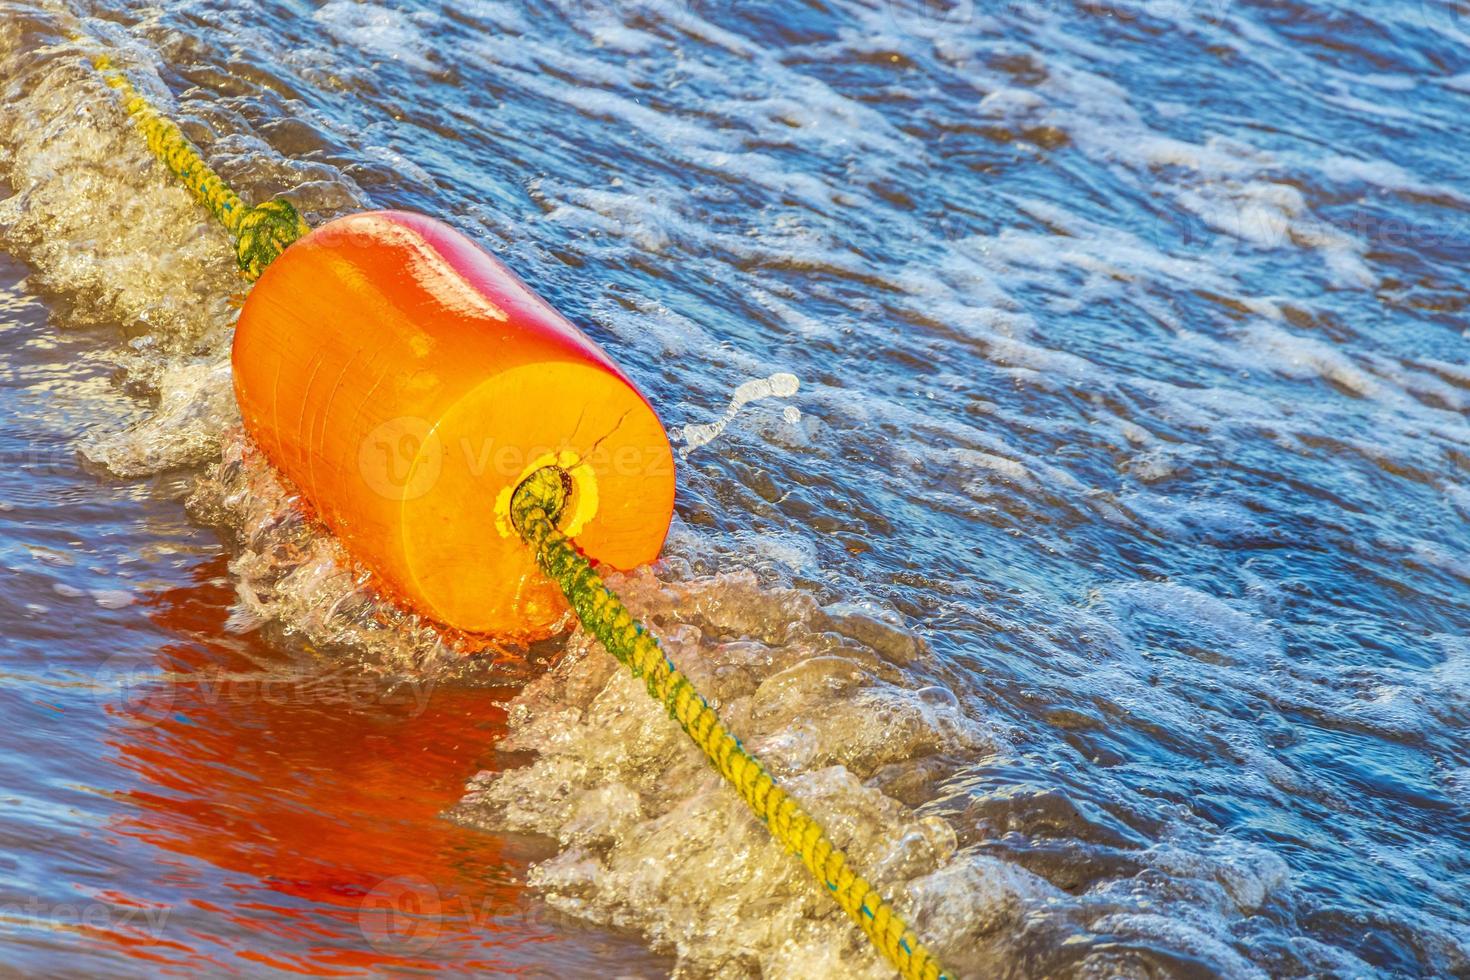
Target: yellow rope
261	233
603	614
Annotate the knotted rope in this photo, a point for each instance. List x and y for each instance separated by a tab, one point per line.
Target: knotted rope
261	233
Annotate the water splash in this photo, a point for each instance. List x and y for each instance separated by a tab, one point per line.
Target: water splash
780	385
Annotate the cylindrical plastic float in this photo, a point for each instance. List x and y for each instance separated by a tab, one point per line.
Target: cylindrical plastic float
406	382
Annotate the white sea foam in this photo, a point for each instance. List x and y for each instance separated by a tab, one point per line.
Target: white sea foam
386	31
779	385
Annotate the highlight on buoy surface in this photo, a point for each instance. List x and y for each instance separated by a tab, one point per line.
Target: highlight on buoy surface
407	382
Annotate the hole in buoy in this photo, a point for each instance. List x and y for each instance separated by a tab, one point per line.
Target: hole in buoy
550	488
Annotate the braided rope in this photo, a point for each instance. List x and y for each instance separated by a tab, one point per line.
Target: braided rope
603	615
261	233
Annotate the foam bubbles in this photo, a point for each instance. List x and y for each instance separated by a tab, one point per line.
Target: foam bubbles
780	385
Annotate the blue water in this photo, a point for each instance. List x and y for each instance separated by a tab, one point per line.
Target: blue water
1132	375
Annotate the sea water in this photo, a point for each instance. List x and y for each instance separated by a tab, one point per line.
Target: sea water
1074	477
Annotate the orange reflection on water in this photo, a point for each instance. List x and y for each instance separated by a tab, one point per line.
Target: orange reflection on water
313	794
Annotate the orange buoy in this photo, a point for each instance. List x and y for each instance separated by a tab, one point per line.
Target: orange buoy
407	382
